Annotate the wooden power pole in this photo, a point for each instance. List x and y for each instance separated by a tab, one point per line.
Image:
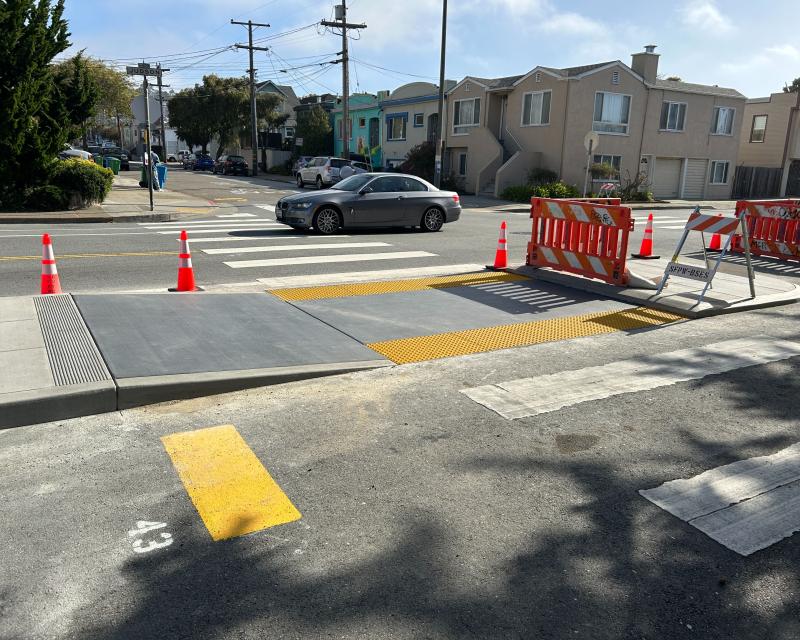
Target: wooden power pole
253	113
341	23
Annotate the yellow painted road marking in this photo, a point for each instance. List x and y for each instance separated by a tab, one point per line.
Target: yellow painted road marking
393	286
63	256
459	343
230	488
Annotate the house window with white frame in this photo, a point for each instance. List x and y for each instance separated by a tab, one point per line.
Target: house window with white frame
466	114
719	172
613	161
396	127
419	119
673	116
611	112
759	128
536	108
462	164
722	121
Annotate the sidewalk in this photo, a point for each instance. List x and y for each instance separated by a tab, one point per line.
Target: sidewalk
127	202
496	204
65	356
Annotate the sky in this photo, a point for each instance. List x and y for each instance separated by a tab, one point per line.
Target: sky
751	47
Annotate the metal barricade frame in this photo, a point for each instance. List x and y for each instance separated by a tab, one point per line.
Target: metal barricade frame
773	228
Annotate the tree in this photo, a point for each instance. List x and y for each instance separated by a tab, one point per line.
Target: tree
34	125
314	127
792	88
77	93
191	120
420	161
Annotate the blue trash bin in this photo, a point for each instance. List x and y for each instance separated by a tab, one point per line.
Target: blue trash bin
161	170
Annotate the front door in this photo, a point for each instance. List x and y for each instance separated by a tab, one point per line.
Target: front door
793	183
384	203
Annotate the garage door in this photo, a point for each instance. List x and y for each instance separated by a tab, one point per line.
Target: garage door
667	178
694	185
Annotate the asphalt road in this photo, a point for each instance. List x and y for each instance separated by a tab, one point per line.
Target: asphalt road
125	257
424	515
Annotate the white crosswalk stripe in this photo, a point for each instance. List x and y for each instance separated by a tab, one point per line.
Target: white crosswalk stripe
295	247
266	207
237	215
349	257
270	227
263	238
347	277
208	223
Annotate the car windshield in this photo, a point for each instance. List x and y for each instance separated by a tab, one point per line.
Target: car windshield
353	183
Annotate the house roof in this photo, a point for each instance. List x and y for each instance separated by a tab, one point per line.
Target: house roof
705	89
571	72
496	83
285	89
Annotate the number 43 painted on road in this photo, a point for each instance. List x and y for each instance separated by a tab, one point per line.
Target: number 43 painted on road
142	527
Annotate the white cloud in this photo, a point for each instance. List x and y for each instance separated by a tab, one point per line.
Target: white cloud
573	24
784	51
705	16
766	58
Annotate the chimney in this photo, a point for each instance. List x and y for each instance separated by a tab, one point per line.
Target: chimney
645	63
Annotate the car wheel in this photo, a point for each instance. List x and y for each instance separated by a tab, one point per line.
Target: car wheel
327	221
300	183
432	219
319	182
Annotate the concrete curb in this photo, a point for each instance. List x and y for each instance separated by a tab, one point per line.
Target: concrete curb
59	403
135	392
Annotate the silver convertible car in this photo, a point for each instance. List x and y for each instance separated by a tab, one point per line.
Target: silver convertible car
371	200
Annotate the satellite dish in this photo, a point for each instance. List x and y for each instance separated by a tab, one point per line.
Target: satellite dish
591	141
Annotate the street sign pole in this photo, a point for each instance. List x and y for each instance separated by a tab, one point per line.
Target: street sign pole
144	69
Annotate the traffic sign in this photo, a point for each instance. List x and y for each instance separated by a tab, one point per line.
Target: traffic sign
142	70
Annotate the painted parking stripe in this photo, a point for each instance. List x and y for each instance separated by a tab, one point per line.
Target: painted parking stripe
295	247
746	505
348	277
274	236
349	257
531	396
230	488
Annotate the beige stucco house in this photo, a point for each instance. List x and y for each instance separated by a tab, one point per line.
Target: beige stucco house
411	114
769	150
684	136
286	106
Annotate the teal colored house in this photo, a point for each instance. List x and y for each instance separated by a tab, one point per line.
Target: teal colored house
365	124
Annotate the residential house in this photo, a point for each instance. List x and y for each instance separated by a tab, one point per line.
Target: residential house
137	139
411	116
365	126
286	105
683	136
769	150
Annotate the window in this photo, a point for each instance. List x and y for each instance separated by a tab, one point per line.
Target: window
759	129
409	184
536	108
419	119
615	77
719	172
462	164
362	122
611	112
614	161
396	127
290	132
340	129
673	116
387	184
466	114
722	121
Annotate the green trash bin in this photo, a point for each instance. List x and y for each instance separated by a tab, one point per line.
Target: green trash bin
113	164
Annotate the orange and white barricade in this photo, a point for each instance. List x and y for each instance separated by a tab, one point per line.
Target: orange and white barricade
773	228
580	237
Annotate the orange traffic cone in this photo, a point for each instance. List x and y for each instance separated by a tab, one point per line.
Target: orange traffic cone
185	271
716	243
501	255
646	249
50	282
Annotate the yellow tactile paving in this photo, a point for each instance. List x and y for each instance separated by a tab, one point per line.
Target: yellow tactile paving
459	343
232	491
393	286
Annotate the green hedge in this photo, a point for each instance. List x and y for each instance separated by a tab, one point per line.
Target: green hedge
47	198
524	192
87	179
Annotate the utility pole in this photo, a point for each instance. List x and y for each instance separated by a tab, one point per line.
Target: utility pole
161	103
253	113
144	69
437	175
341	23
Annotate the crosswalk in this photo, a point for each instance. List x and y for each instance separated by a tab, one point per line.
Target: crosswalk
249	241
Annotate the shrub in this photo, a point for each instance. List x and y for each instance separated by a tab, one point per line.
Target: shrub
451	183
541	176
556	190
603	170
420	161
88	180
518	193
280	169
46	198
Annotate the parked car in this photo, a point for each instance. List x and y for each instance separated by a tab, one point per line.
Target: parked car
232	165
203	162
120	154
301	162
72	152
95	150
371	200
321	171
182	154
188	161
